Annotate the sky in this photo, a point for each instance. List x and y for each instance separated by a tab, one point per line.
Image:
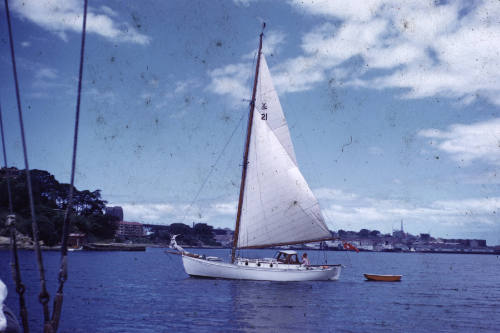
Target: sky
394	109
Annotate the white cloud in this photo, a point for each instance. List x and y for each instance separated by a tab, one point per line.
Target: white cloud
225	208
25	44
231	81
46	79
167	213
430	49
441	217
273	41
109	11
468	143
234	80
46	73
375	150
147	209
333	194
151	212
102	95
62	16
360	9
183	86
299	74
244	3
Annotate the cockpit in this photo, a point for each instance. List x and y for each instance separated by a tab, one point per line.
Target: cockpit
287	257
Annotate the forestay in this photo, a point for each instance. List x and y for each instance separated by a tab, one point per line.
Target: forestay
278	207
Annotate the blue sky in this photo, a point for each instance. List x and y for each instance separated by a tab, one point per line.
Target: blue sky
393	109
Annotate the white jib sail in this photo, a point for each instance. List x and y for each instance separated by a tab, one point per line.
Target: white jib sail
278	205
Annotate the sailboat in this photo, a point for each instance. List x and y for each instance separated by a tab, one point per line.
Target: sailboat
276	207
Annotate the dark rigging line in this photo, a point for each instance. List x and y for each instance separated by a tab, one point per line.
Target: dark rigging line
7	173
16	271
63	270
213	167
44	296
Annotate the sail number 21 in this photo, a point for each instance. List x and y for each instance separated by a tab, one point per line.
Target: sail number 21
263	116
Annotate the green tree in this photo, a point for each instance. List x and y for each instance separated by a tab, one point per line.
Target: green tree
364	233
51	200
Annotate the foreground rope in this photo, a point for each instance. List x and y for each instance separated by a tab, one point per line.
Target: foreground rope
44	296
11	224
63	270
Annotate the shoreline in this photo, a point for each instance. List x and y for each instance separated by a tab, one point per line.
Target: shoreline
143	246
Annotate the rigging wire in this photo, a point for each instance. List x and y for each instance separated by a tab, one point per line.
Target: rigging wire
16	271
213	167
7	173
43	296
63	270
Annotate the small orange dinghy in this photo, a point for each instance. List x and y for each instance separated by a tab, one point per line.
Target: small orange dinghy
384	278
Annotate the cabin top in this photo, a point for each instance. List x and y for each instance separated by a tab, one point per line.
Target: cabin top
288	251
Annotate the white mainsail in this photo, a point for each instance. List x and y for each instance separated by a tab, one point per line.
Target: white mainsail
278	205
267	102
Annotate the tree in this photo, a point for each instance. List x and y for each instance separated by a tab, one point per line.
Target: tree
204	233
180	229
51	200
364	233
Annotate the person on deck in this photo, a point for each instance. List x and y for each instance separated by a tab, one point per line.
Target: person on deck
305	261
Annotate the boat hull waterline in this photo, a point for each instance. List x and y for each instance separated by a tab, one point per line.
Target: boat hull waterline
215	269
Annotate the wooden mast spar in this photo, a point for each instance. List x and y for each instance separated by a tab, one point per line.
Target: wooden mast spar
245	156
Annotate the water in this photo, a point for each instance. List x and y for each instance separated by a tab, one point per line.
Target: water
149	292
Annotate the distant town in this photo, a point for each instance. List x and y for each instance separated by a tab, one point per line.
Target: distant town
204	235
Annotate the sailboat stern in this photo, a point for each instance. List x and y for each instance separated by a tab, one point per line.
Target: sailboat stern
335	272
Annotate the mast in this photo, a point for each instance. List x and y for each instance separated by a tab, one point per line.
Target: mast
247	146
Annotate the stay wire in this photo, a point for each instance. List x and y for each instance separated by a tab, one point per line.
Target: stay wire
7	171
16	271
212	168
63	270
43	296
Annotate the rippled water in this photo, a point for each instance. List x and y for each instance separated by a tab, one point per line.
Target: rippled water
149	292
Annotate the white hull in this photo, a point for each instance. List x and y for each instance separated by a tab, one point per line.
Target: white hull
265	272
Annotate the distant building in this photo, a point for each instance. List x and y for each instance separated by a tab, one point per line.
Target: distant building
472	243
129	229
399	234
335	244
477	243
115	211
364	244
425	237
76	240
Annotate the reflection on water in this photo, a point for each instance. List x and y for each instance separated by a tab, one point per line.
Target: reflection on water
264	305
